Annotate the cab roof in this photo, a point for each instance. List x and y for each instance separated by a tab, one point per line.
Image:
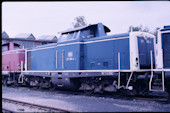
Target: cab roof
84	27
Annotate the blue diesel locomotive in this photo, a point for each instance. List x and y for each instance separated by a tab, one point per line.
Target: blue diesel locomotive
162	57
87	58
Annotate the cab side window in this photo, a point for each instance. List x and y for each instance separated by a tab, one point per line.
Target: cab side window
68	36
63	38
16	47
88	33
75	35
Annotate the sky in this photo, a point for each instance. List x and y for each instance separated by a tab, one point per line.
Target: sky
49	18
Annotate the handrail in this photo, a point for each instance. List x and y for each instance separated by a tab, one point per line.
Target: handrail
129	80
20	78
150	82
119	70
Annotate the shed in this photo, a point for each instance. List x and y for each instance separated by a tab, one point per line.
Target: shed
4	35
25	36
47	37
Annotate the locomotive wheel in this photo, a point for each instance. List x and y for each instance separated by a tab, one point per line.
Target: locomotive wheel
34	87
52	87
131	93
15	84
4	82
168	90
88	92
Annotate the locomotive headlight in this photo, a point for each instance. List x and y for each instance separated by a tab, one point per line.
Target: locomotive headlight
136	59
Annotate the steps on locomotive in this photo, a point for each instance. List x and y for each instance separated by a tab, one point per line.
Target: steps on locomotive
159	88
157	84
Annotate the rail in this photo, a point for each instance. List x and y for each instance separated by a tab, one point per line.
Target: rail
4	110
27	104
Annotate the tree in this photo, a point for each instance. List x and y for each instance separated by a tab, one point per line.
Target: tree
138	28
146	29
155	33
79	21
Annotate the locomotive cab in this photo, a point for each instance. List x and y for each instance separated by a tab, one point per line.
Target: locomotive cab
73	56
10	46
12	56
85	32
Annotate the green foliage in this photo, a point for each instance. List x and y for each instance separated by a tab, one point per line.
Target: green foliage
138	28
79	21
146	29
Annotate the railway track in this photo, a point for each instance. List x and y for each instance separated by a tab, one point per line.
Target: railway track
41	108
122	96
161	100
4	110
118	95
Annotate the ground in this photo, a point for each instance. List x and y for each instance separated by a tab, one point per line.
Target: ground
81	103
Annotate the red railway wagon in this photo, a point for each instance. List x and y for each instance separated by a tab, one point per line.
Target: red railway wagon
12	56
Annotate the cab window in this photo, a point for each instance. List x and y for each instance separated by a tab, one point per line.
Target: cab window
68	36
88	33
63	38
75	35
16	47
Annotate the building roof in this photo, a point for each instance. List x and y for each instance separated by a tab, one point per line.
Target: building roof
22	39
25	36
47	37
83	27
4	35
